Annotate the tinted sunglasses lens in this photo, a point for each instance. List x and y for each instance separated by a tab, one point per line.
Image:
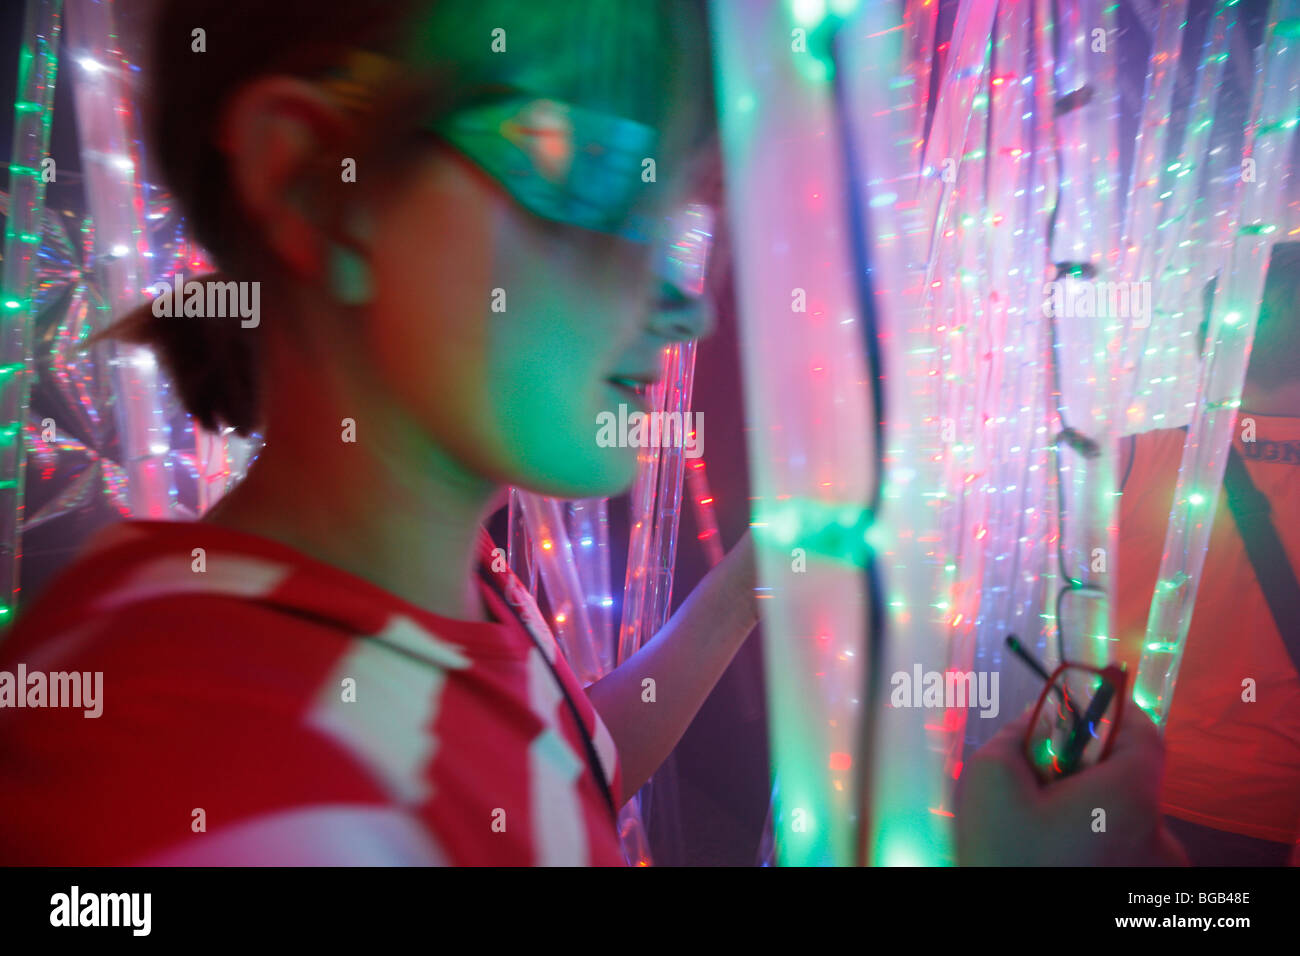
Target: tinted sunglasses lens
561	162
684	249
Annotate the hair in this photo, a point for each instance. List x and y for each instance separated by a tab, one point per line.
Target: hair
217	366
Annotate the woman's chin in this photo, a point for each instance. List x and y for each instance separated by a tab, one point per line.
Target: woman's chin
595	473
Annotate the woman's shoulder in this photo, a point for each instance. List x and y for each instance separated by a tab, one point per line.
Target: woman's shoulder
141	580
151	688
176	618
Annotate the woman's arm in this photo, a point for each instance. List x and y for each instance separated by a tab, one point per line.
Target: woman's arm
684	660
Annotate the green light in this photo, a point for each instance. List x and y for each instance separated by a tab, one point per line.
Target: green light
808	13
1197	498
1232	318
1151	707
837	531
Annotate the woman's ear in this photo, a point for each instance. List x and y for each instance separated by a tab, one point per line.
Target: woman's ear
279	135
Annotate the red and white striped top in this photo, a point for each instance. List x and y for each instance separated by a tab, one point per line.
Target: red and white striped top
271	709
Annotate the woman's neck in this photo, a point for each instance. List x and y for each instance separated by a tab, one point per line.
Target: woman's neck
387	505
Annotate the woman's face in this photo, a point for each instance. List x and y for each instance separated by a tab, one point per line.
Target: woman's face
504	336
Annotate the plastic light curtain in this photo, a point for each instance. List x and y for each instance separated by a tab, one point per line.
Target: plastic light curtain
990	171
1149	204
971	308
965	322
1181	253
809	407
883	61
110	166
1248	238
1086	337
1178	256
542	544
37	69
557	561
542	536
992	340
1015	527
588	524
656	512
706	518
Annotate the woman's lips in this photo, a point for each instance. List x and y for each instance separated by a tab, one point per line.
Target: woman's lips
633	389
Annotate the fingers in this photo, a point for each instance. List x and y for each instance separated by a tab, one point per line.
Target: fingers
1138	733
1107	813
1137	759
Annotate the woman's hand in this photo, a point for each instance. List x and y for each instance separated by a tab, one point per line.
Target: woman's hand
1105	815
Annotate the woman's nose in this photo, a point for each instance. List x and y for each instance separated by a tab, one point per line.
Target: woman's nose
681	309
677	316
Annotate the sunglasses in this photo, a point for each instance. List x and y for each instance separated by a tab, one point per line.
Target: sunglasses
1077	717
563	163
583	168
